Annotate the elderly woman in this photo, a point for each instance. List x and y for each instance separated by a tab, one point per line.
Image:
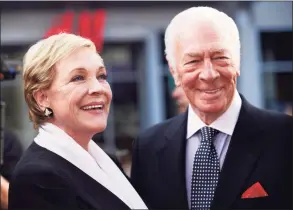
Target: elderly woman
68	96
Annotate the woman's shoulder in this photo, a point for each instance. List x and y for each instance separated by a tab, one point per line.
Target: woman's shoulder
38	164
38	183
37	174
37	157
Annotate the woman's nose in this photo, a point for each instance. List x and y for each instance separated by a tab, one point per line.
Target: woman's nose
94	86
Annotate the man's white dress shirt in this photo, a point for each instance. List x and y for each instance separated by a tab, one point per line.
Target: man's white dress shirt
225	124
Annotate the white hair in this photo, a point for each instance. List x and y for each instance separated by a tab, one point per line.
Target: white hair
190	18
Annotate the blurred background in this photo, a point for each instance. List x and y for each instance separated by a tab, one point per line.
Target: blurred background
133	51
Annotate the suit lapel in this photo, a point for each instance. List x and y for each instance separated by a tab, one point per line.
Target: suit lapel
243	152
90	194
91	189
172	161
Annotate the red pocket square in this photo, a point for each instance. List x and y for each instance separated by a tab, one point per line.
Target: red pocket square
255	191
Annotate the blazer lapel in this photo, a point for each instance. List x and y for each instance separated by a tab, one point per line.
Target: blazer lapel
91	189
243	152
172	161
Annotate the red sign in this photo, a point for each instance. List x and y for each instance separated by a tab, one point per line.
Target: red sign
90	25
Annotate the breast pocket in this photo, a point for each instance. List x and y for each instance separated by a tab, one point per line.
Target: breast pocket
253	203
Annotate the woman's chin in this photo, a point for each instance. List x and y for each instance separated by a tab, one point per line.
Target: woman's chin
100	129
95	127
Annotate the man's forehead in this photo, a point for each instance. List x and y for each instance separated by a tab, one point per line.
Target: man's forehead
216	47
204	31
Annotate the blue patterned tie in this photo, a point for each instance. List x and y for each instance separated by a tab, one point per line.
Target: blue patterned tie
206	170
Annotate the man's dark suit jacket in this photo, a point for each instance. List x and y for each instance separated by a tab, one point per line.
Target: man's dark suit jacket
44	180
260	151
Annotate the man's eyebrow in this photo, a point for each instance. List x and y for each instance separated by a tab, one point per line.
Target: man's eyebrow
101	68
218	51
191	54
212	51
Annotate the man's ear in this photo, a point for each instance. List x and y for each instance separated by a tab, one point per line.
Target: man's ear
238	73
42	99
175	75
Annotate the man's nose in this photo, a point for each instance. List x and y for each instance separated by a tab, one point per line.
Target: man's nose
208	73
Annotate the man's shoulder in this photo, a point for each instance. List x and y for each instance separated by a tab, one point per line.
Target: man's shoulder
272	117
263	116
270	122
158	131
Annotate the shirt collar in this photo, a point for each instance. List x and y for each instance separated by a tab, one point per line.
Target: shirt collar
225	123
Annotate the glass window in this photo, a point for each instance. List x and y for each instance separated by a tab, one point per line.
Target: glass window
278	90
117	58
276	46
126	113
277	70
121	57
162	43
11	56
121	60
171	109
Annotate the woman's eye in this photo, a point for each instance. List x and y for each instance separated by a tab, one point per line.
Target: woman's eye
102	77
77	78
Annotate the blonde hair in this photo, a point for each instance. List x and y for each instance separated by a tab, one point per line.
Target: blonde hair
192	16
38	67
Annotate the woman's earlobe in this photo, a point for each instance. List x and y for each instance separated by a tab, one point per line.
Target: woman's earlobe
41	99
48	112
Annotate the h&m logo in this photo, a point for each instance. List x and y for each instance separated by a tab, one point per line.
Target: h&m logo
90	25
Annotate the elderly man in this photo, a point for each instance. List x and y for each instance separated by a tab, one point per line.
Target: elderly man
222	153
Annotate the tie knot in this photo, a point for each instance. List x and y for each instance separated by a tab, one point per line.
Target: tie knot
208	133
